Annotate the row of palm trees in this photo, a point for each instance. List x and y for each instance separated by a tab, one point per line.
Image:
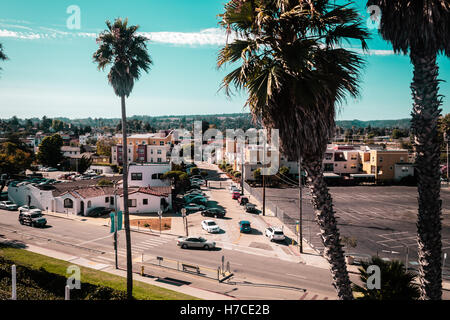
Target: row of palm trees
291	60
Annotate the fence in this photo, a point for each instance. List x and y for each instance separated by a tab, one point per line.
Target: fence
310	228
220	273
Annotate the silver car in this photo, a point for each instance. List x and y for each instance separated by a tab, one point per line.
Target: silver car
195	242
8	205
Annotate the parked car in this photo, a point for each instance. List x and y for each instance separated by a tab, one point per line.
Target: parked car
32	218
8	205
197	176
234	189
99	211
210	226
27	208
194	191
201	182
193	195
195	242
274	233
198	200
242	200
213	212
193	207
236	195
250	208
244	226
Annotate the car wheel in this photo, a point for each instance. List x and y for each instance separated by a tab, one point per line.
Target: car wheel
184	246
206	247
21	222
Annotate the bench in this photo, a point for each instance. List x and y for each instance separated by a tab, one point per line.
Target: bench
188	267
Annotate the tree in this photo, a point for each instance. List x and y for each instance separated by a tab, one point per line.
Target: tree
421	29
13	159
104	147
49	153
3	56
121	47
84	164
295	71
395	282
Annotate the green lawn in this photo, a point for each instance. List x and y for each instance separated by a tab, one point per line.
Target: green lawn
142	291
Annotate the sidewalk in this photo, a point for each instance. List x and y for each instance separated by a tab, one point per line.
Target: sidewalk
186	289
177	226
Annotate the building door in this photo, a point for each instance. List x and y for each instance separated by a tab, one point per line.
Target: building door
82	207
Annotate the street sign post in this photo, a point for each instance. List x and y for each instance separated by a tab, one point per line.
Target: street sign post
160	216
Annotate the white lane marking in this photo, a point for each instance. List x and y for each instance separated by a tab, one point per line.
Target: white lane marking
296	275
108	236
161	241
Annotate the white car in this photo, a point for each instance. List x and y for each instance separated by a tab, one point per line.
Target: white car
210	226
274	233
233	189
29	209
8	205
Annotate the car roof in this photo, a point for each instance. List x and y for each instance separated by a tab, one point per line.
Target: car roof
208	221
244	221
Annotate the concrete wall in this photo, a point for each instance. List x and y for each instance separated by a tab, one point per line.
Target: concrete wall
147	170
153	203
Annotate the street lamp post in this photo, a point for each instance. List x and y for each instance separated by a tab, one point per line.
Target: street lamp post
115	229
300	234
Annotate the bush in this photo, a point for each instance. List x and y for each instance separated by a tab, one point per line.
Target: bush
237	174
105	182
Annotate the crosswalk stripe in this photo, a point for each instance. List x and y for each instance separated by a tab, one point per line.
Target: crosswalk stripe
157	240
147	246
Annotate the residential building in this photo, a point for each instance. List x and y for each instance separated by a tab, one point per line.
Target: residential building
71	152
381	163
148	174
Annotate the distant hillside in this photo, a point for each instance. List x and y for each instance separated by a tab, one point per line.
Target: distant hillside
221	121
400	123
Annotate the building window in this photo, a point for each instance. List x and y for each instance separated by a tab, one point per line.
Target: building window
136	176
145	202
161	143
89	204
107	200
68	203
132	203
159	151
111	200
159	160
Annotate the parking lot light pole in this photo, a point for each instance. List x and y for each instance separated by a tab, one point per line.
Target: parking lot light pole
300	234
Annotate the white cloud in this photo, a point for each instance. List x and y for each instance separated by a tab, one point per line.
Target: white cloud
19	35
212	36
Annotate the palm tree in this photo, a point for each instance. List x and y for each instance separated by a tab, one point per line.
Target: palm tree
421	28
3	56
396	282
121	47
296	72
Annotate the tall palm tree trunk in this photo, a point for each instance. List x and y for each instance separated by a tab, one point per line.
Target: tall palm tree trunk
323	207
425	117
125	202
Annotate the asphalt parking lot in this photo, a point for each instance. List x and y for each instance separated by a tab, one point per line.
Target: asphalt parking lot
382	219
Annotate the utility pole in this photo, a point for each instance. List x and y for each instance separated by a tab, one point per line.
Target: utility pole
446	140
116	225
300	200
242	169
264	180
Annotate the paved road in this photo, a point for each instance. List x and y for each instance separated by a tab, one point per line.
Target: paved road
381	218
94	243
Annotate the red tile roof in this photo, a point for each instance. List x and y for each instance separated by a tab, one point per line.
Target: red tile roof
154	191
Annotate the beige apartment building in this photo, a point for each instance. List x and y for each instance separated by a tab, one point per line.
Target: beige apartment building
382	163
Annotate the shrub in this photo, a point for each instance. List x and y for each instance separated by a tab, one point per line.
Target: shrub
105	182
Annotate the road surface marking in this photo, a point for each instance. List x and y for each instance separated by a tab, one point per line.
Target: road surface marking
108	236
295	275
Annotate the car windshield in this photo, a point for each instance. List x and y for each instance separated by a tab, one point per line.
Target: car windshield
36	215
8	202
211	223
245	224
202	239
278	233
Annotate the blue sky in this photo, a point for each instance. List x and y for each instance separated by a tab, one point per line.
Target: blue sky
50	71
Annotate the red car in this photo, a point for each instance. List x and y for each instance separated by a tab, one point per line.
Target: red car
236	195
